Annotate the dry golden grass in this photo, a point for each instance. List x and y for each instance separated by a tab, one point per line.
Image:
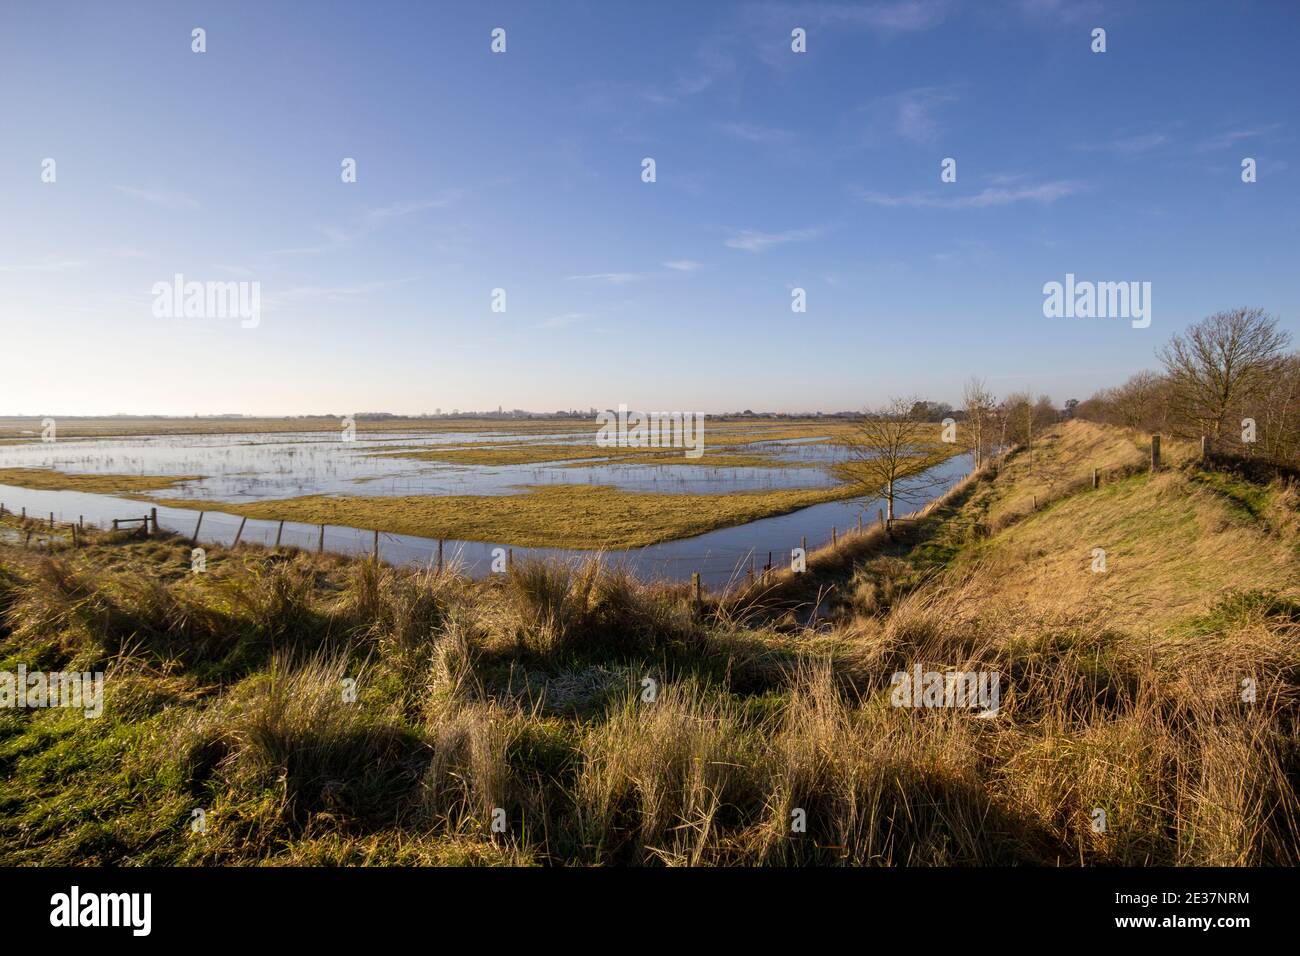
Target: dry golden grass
48	478
1164	693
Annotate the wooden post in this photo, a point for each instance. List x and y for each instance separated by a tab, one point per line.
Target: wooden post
153	518
440	555
240	533
320	548
881	512
114	524
81	522
1155	452
1034	505
695	589
74	537
835	536
1095	479
25	509
510	558
1205	447
859	522
51	520
376	546
279	532
194	539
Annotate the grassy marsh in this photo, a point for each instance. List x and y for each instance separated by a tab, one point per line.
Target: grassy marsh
555	516
524	693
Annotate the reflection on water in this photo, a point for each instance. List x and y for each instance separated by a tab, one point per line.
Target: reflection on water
261	466
717	555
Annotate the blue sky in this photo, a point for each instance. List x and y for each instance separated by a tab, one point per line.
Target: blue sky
522	171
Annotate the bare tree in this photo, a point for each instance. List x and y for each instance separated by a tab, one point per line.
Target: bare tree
978	403
1220	362
1135	404
891	449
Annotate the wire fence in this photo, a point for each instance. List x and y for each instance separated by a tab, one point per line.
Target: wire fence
718	557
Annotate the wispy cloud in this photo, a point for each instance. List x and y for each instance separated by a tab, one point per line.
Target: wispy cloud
48	264
751	240
160	197
613	278
712	64
1042	193
683	265
916	108
1230	138
912	114
370	221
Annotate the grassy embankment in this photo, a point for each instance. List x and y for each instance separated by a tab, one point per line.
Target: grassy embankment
1121	692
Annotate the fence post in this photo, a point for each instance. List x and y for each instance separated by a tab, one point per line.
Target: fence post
881	513
1095	479
194	539
859	522
320	548
1205	447
510	558
240	533
835	536
440	555
1155	452
695	589
278	534
81	522
376	546
153	517
51	520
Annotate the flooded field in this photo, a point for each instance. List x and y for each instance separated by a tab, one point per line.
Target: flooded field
269	466
266	467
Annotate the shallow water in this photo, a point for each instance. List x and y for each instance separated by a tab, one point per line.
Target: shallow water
719	556
261	466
